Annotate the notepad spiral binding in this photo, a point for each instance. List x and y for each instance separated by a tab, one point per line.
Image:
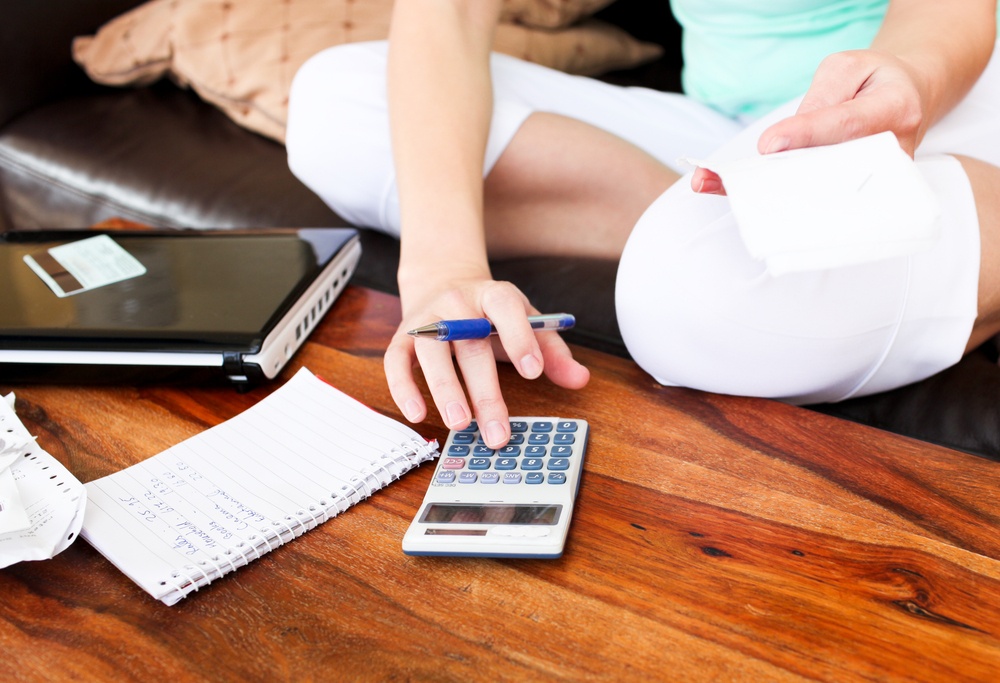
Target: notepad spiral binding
208	568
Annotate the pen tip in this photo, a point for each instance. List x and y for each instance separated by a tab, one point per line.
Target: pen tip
424	331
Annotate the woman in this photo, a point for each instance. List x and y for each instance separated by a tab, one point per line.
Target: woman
577	167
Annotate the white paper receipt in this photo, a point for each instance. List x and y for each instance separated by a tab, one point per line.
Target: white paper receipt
41	502
83	265
832	206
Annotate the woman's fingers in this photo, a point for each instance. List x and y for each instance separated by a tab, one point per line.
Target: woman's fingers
442	381
853	94
479	370
468	386
707	182
398	363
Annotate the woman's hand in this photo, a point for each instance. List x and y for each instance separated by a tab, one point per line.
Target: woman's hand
923	61
472	296
853	94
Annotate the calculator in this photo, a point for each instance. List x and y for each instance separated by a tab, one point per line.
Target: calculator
515	501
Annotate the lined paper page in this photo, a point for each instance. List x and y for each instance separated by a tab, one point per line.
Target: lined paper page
218	500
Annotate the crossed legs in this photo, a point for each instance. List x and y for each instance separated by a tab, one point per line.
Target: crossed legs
563	187
572	183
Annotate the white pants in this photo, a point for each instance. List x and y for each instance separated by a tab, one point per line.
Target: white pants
693	307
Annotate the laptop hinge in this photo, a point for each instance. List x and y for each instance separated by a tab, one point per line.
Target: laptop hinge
232	365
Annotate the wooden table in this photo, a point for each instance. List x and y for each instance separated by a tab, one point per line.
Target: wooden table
715	538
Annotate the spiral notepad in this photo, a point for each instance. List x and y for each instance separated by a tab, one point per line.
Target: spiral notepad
211	504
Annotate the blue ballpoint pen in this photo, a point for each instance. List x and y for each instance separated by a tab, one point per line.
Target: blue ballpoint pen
481	328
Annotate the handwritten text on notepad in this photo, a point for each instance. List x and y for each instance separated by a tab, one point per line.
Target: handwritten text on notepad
223	498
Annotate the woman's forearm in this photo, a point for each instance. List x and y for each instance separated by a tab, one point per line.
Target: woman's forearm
947	43
440	105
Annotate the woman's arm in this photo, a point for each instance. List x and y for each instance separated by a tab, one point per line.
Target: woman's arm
440	104
440	107
924	60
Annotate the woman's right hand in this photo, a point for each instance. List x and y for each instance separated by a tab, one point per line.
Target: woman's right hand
472	295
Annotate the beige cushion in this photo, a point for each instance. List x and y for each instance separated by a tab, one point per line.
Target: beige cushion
549	13
241	55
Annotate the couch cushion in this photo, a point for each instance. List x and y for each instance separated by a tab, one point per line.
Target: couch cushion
156	155
959	407
242	56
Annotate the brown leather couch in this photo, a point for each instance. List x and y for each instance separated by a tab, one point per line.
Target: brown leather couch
73	153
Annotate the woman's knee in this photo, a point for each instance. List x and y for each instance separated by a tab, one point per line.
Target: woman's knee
338	132
668	290
696	310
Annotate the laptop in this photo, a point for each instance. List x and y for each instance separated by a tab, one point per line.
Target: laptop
186	305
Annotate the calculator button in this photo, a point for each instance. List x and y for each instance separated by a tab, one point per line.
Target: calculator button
562	451
541	427
490	478
559	464
510	451
534	478
534	451
479	463
518	426
453	464
516	439
463	437
458	449
564	438
483	451
566	426
473	427
445	477
467	477
512	477
557	478
538	439
506	463
532	464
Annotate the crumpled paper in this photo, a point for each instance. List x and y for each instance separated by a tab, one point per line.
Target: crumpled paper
41	502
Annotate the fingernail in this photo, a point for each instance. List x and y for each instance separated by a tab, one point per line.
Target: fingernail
411	410
455	412
709	186
495	434
777	145
530	367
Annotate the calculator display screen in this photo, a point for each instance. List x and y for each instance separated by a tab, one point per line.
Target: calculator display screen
458	513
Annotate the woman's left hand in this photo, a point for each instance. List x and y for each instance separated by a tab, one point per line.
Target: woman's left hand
853	94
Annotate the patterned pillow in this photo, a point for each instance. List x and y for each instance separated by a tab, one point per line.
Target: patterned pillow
241	55
549	13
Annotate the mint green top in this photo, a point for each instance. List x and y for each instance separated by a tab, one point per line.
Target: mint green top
746	57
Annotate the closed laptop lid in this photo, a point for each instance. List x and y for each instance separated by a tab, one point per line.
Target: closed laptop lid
180	292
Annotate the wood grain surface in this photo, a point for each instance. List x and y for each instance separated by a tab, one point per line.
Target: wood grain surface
715	538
